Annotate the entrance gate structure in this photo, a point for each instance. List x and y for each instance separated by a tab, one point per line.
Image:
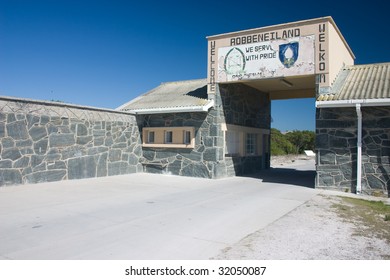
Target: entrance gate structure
220	126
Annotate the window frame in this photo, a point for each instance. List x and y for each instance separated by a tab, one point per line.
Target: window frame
177	139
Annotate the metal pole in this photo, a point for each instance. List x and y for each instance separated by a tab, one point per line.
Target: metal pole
359	150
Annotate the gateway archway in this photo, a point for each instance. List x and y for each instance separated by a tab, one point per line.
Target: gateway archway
281	62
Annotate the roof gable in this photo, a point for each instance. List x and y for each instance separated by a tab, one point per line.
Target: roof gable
188	95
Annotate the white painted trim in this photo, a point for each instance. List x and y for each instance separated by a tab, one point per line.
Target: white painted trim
352	103
184	109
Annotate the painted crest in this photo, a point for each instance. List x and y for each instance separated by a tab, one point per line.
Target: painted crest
288	53
234	61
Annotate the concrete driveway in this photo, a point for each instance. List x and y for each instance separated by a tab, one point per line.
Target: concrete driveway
145	216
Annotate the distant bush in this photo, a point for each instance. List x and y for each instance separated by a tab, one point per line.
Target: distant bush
294	142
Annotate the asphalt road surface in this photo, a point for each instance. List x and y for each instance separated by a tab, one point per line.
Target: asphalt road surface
146	216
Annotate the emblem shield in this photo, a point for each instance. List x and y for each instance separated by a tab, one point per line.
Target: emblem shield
288	53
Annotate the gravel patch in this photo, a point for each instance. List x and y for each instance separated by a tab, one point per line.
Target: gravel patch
312	231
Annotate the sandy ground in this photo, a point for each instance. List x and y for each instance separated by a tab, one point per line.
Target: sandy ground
314	230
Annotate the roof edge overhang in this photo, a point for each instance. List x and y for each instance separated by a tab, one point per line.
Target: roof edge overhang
353	102
183	109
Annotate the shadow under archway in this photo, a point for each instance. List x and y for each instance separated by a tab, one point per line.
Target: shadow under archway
286	176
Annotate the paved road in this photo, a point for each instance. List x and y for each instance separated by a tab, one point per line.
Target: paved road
145	216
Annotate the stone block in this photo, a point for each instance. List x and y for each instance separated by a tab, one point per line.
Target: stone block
210	154
102	165
174	168
368	168
345	134
375	183
193	155
61	140
51	128
108	141
11	118
45	176
138	150
98	141
81	129
2	129
37	132
12	154
325	180
322	141
383	122
26	151
56	165
22	162
208	141
83	140
40	167
7	163
17	130
337	142
115	155
24	143
117	168
82	167
7	143
36	160
32	120
153	169
122	145
343	159
97	150
196	170
40	147
99	132
348	170
10	177
133	159
44	120
149	154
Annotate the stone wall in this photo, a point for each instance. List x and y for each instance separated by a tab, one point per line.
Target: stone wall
234	104
48	141
197	162
336	145
245	106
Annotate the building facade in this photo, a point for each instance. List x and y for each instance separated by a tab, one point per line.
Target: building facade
218	126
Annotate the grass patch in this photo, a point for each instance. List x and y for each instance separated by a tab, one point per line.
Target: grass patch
377	206
371	218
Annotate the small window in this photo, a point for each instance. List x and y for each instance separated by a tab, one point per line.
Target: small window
150	137
251	139
187	137
168	137
232	143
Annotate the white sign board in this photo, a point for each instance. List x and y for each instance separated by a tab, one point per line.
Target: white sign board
278	58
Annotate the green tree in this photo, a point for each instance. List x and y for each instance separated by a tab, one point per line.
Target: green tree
280	145
301	140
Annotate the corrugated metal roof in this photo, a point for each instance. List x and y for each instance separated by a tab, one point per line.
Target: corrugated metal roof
188	94
370	81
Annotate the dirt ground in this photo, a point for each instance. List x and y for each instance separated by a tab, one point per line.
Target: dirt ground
325	228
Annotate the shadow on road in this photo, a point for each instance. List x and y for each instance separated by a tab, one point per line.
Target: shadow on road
288	176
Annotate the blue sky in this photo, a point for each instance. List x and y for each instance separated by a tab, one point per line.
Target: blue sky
105	53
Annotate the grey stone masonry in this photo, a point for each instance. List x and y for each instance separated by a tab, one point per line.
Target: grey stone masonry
234	104
196	162
48	141
336	145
